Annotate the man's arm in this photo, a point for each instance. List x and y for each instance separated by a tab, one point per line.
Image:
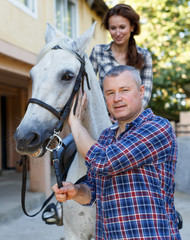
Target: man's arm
81	136
144	145
80	193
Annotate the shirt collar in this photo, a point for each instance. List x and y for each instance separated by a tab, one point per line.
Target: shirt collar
146	114
108	46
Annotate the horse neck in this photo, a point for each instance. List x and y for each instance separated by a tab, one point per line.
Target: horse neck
96	119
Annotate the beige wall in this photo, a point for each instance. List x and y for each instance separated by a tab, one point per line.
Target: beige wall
26	32
183	127
20	29
100	35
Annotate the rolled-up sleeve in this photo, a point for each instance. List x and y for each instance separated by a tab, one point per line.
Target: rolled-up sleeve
149	143
91	183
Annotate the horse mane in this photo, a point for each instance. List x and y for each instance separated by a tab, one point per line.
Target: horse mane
64	43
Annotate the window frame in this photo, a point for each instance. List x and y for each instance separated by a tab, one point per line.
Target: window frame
64	14
26	9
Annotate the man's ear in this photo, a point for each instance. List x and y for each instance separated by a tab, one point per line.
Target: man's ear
142	91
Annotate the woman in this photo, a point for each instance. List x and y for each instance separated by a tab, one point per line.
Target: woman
122	22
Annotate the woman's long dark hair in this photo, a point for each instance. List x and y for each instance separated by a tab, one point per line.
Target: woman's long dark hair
132	56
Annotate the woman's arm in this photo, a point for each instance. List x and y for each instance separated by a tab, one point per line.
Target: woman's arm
146	74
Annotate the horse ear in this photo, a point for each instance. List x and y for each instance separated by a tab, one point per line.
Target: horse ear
80	44
50	34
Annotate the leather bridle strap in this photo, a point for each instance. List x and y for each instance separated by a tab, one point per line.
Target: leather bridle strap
66	109
24	163
62	115
45	105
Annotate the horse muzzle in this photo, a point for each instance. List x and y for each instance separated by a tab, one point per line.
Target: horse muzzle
30	144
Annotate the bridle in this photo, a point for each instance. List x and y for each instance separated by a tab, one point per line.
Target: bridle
62	115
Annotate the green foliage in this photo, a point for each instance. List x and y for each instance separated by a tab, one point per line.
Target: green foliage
169	91
165	32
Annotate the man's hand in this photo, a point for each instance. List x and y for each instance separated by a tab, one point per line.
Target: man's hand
80	109
67	192
80	193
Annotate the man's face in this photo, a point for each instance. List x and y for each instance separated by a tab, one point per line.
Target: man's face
123	97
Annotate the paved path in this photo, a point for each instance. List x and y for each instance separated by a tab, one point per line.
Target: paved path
182	204
25	228
14	225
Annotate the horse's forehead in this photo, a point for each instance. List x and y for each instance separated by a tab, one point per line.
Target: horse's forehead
59	58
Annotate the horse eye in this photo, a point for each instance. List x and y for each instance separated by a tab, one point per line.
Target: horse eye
67	76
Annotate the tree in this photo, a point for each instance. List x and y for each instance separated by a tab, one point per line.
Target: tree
165	32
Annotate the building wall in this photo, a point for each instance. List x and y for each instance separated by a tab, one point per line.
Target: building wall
182	176
21	29
26	32
183	127
89	16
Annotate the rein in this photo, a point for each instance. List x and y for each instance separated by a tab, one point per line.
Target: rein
61	115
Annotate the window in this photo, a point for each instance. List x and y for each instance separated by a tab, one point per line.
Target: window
65	17
28	6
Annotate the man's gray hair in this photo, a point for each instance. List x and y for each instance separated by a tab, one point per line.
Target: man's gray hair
117	70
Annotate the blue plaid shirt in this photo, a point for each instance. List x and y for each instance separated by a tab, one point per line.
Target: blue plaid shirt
132	180
103	60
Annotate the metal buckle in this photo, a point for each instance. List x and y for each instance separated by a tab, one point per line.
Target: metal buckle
53	138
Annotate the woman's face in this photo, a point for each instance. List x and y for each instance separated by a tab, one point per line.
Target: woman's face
120	29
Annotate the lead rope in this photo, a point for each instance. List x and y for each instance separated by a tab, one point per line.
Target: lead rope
58	174
24	163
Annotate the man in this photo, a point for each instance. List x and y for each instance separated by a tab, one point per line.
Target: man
130	169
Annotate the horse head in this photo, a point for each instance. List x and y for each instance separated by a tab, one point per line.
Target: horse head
53	80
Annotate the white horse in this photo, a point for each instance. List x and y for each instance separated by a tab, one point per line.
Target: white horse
53	79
